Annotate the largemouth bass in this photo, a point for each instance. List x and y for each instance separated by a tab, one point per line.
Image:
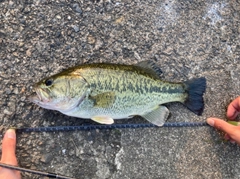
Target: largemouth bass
103	92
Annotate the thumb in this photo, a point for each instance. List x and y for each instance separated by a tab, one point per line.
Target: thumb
231	130
9	148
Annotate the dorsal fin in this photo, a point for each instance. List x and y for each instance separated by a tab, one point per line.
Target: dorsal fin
150	67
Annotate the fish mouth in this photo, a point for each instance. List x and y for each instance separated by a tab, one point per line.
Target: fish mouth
34	97
38	96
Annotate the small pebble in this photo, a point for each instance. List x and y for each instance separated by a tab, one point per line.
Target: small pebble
76	28
77	8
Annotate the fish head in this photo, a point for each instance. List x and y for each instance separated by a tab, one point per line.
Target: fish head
60	92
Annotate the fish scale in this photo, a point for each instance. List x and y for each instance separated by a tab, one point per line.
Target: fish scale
135	89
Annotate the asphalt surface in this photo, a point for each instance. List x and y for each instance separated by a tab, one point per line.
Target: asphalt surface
185	38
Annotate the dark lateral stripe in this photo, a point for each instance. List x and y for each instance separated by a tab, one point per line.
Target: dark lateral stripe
167	89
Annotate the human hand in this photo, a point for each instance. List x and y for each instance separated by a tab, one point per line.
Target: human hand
8	155
232	132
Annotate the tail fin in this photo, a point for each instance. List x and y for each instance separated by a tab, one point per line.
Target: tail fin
195	89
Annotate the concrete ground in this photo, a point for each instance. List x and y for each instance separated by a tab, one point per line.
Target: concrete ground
185	38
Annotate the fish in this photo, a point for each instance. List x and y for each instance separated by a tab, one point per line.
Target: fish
104	92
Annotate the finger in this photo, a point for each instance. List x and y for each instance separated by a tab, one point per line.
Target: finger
8	155
233	108
227	137
232	141
9	148
224	126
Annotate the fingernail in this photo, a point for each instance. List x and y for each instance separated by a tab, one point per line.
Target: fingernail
10	134
210	121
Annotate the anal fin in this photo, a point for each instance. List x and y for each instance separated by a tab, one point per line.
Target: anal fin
158	116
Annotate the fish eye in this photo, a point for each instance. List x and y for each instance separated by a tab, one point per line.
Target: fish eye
49	82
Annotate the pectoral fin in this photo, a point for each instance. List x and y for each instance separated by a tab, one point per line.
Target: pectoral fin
103	99
158	116
103	119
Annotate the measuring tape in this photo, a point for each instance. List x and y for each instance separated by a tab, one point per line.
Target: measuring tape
113	126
